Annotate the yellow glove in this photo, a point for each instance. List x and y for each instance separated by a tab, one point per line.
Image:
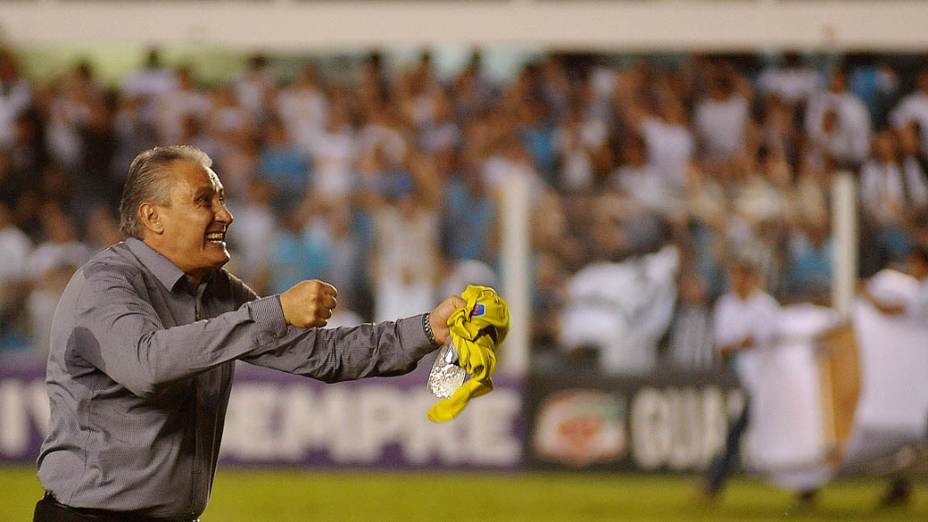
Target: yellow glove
476	331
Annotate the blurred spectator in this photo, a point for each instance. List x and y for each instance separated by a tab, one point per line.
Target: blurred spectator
27	152
61	246
129	127
889	195
442	132
389	181
347	256
839	123
745	322
691	346
537	136
721	118
102	228
914	164
281	164
298	252
809	196
777	133
228	124
302	106
668	140
41	305
809	269
469	227
254	84
176	105
254	225
69	112
641	180
15	250
15	95
405	266
874	82
384	132
577	142
914	108
548	299
333	151
792	82
468	272
474	92
148	84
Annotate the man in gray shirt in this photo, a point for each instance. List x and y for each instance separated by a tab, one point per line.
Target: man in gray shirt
144	342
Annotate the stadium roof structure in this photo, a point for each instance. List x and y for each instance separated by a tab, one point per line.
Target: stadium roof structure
582	25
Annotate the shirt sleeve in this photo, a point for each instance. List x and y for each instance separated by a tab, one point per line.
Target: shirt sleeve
340	354
119	332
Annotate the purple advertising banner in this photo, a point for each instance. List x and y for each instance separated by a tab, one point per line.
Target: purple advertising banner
276	419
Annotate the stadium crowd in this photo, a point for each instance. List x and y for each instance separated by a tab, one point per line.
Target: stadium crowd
387	185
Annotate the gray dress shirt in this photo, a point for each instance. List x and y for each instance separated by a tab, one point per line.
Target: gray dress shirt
141	367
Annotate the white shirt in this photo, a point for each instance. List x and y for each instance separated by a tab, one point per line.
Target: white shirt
304	111
646	186
11	105
174	106
793	84
62	132
915	178
14	254
389	139
720	125
51	254
407	264
736	319
850	140
149	84
251	88
333	153
670	148
913	107
882	191
254	224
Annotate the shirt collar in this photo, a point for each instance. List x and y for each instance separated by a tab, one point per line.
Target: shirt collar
164	270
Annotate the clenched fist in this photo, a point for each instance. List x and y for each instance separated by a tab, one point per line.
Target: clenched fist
308	304
438	318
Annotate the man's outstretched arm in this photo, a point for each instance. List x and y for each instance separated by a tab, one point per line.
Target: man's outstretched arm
366	350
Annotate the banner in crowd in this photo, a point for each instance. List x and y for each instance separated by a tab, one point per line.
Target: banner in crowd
283	420
664	422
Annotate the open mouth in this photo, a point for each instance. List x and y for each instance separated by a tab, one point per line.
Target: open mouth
216	237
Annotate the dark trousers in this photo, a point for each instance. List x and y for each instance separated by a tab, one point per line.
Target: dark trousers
50	510
723	465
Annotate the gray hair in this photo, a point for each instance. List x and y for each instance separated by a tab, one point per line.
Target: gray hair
147	182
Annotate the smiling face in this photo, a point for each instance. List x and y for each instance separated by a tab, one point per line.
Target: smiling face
191	230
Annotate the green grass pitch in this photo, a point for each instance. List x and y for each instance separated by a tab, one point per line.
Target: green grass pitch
250	495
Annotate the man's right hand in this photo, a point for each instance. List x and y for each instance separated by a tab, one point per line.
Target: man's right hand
308	304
